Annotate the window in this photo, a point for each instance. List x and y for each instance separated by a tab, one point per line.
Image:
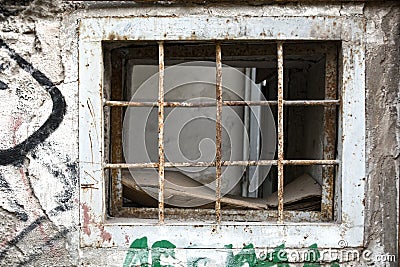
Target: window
281	80
298	91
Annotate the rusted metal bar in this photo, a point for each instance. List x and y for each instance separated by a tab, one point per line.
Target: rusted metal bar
189	164
161	132
310	162
311	102
130	165
280	131
249	163
329	121
111	103
116	131
223	163
218	143
224	103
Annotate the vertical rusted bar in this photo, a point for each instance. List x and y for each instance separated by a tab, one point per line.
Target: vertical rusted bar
329	120
161	132
116	131
218	144
280	130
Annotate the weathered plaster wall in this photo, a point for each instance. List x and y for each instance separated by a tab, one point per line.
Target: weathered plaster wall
383	125
39	204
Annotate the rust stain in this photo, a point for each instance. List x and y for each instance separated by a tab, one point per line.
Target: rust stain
88	186
330	132
86	219
112	36
127	239
116	115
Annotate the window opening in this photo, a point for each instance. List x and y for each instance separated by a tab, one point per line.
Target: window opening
290	86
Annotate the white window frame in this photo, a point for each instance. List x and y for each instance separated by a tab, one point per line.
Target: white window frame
100	231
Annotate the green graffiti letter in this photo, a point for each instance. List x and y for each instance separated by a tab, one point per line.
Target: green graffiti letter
138	253
159	248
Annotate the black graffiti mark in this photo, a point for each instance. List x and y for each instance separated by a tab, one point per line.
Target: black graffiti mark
18	208
64	198
21	235
64	204
3	86
4	185
67	174
30	228
16	154
48	243
27	230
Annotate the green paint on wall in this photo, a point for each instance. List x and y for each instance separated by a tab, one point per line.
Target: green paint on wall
194	262
138	253
163	247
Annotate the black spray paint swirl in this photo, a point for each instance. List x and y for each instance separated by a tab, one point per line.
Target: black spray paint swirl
17	153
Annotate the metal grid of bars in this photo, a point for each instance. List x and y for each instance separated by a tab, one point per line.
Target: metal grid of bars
328	162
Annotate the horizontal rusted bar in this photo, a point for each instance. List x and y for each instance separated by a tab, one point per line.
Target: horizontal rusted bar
224	103
311	162
114	103
249	162
130	165
223	163
310	102
188	164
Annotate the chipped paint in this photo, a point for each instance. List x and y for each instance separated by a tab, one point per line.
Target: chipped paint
104	235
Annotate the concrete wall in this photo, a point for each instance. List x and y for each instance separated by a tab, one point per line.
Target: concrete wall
39	203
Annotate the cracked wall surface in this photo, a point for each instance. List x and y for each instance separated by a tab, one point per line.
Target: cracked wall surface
39	182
